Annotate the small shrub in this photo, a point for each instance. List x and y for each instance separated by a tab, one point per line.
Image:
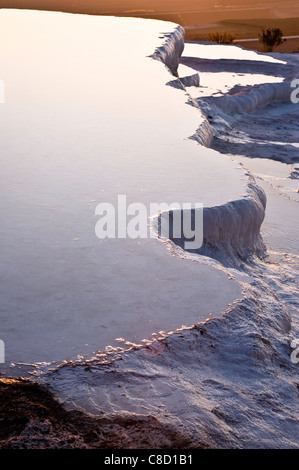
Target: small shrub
270	38
221	38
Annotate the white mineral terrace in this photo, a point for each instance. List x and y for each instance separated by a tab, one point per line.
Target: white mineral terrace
87	117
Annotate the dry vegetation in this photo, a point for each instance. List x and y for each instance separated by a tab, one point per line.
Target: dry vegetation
221	38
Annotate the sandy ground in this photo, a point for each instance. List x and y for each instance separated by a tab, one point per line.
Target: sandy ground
244	19
289	46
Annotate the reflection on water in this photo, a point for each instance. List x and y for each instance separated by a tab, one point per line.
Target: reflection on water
88	117
219	52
